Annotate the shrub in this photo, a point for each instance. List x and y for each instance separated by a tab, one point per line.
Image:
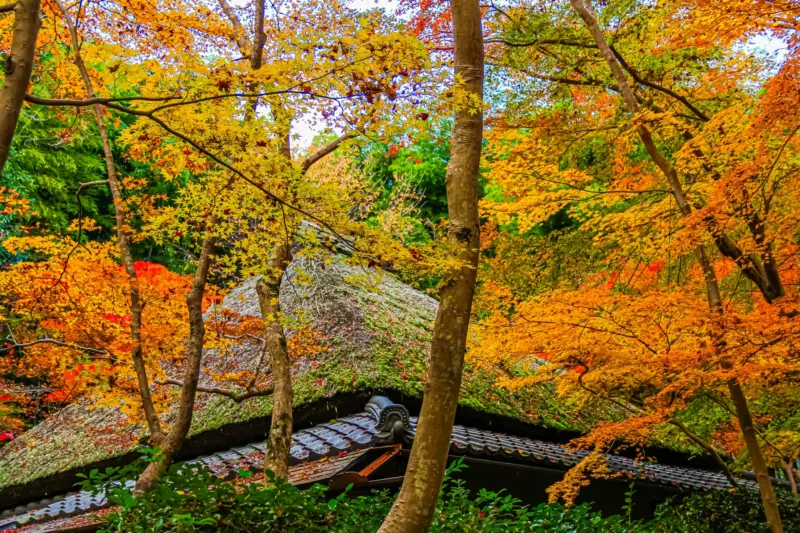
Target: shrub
717	511
189	498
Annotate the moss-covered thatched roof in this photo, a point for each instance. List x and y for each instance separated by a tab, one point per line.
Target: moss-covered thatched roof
376	331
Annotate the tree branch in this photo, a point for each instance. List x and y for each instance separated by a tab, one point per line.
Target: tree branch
8	7
325	150
660	88
47	340
632	71
707	447
85	102
236	397
241	39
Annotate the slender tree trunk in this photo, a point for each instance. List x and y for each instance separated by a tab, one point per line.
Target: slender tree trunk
17	69
194	355
789	468
124	244
743	414
259	38
279	438
413	510
279	441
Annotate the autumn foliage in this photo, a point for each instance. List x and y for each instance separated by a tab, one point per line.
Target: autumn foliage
639	190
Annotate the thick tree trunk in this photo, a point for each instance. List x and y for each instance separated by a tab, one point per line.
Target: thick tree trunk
17	69
413	510
191	373
760	468
127	258
279	441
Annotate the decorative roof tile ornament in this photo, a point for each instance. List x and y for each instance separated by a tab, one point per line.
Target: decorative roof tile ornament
392	420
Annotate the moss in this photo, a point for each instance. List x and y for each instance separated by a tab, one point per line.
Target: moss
377	332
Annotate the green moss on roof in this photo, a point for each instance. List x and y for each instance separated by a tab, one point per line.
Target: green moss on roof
377	331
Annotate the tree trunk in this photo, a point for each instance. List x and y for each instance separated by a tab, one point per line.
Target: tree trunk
413	510
17	69
259	38
191	371
760	468
279	441
279	438
789	468
127	258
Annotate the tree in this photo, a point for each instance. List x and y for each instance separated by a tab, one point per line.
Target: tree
414	507
647	192
68	315
760	276
276	227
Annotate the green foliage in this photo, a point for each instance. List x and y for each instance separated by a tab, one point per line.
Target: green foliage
191	499
410	178
50	156
726	512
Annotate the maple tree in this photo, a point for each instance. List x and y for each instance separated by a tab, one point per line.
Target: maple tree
69	327
629	150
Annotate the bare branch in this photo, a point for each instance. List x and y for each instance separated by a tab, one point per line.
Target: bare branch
708	448
660	88
236	397
85	102
47	340
325	150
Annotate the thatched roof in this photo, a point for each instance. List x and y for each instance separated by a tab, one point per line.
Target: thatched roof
377	332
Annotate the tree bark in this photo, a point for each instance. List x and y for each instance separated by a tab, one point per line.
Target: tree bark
194	355
738	397
259	38
124	245
17	69
279	441
789	468
413	510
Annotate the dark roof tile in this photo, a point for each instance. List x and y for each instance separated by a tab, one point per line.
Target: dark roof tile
324	450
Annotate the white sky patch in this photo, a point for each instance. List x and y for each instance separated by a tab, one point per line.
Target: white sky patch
768	44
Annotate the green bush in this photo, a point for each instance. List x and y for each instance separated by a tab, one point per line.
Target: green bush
719	511
191	499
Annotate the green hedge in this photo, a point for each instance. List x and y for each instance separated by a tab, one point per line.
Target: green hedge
191	499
